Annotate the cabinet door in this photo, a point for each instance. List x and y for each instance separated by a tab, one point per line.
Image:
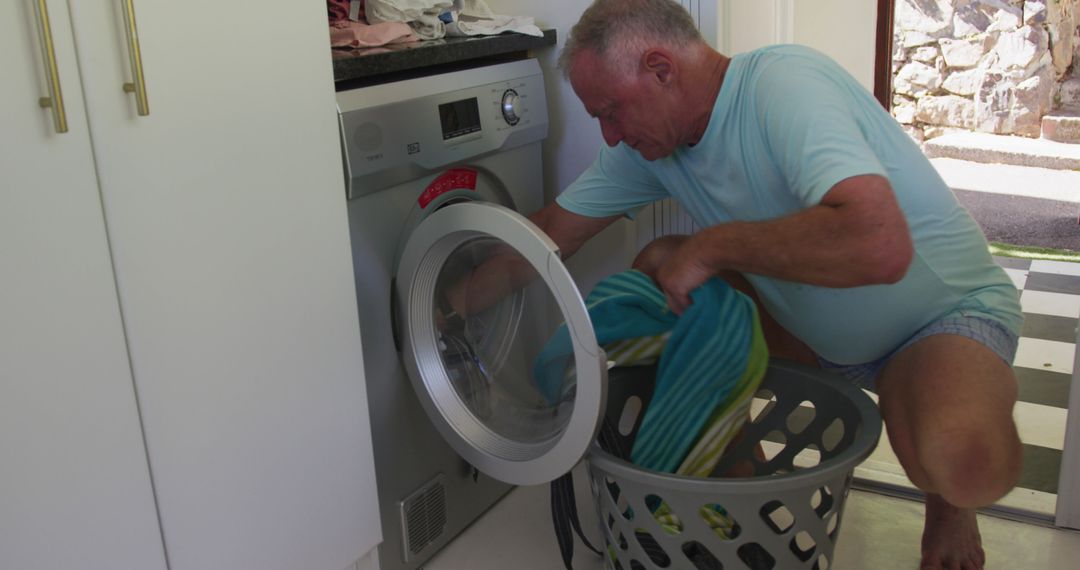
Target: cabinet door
75	488
227	222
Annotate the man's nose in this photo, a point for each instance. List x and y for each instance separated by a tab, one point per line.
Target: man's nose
611	134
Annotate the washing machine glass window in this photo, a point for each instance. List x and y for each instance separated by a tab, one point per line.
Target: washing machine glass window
516	383
494	355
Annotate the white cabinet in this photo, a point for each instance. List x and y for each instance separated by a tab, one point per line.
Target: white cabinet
227	256
74	483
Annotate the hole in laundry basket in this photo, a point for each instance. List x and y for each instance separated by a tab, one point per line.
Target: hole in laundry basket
700	556
764	401
822	563
801	416
635	565
618	565
831	525
653	549
756	557
629	416
803	546
822	501
777	516
623	545
809	457
773	443
610	521
619	499
833	435
665	517
720	521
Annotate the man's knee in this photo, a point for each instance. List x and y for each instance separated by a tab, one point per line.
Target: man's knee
948	402
973	469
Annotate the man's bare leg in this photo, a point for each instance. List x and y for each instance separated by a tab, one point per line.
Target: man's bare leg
947	402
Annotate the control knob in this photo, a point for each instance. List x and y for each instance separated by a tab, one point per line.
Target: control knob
511	107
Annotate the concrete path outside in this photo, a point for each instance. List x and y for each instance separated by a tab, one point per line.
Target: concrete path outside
1018	205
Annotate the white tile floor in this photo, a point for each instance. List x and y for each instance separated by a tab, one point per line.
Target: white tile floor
877	532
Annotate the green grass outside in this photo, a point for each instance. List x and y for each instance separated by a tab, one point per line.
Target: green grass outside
1028	252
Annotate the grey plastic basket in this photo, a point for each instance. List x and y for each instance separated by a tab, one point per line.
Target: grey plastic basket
786	515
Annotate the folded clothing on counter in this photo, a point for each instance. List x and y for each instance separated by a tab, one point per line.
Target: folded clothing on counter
346	33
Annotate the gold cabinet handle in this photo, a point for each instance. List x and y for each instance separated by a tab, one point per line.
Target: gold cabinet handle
138	87
55	100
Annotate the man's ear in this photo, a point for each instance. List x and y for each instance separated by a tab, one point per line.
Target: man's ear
660	64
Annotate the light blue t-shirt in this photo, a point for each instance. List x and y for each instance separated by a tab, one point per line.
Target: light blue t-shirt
787	125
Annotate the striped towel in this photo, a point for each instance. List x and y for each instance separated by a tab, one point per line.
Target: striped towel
710	367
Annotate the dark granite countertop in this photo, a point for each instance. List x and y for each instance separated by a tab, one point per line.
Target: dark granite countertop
367	66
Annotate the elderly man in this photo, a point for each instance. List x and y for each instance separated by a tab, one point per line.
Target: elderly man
817	204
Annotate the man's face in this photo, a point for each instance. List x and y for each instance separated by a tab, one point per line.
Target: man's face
632	110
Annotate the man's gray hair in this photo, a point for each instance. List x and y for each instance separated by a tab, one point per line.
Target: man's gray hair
619	31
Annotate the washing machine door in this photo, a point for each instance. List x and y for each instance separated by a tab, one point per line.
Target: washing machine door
517	386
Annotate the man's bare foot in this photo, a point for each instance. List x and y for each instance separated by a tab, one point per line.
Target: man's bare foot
950	537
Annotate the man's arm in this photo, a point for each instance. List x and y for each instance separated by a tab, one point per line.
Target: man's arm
856	236
568	230
505	271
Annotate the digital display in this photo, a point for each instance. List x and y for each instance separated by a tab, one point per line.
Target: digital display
459	118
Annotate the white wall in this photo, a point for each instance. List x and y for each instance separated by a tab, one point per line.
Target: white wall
846	30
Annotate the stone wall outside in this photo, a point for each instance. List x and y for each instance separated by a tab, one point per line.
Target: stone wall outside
994	66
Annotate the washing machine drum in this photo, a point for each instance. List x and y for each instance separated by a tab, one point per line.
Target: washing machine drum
497	342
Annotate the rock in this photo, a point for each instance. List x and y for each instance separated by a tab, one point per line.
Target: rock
912	39
1007	17
948	110
917	79
904	114
964	53
1034	11
925	54
1031	100
931	17
1069	95
969	20
964	83
1020	48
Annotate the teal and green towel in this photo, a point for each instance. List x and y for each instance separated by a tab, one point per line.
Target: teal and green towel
710	366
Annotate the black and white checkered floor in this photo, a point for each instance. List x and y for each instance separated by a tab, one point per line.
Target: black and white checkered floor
1050	298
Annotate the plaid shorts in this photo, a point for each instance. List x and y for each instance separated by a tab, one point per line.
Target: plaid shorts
988	332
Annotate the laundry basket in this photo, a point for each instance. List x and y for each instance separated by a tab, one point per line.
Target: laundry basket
814	428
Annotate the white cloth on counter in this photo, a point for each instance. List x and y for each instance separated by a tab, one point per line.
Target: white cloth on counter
465	17
474	18
421	15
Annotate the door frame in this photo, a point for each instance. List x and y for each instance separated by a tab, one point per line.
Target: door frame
1067	513
883	54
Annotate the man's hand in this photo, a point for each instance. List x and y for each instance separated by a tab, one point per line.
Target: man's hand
683	273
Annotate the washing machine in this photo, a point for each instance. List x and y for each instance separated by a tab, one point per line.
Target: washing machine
441	172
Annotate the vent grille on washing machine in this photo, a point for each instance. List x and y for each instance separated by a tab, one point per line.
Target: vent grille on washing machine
423	517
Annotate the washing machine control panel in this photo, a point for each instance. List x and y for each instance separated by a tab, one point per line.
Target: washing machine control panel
391	131
512	107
